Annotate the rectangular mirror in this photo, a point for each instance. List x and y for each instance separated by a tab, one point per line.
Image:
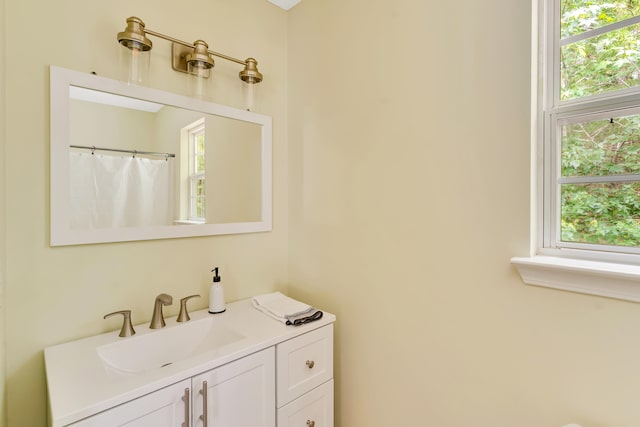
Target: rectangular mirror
136	163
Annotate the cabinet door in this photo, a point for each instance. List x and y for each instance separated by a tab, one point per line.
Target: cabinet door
162	408
238	394
314	409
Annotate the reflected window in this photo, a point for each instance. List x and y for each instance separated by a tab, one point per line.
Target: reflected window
197	173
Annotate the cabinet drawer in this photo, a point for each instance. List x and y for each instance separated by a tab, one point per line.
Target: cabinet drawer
314	409
304	363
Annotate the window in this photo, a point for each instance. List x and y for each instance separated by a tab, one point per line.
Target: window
197	173
588	137
591	118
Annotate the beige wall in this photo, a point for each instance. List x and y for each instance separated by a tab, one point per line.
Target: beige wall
409	192
235	156
406	168
107	126
59	294
170	124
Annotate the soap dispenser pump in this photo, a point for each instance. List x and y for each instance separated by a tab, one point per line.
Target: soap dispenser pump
216	295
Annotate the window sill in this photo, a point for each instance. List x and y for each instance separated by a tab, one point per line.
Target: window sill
621	281
188	221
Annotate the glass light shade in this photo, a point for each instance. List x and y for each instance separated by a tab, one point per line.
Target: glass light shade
250	94
134	62
199	75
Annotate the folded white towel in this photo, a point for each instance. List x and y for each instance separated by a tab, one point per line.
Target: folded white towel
280	306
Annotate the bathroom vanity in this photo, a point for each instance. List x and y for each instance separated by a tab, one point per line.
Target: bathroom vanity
235	369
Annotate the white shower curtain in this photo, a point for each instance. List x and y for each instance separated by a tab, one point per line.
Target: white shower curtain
119	191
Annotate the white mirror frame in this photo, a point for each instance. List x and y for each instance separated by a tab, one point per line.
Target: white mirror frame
62	234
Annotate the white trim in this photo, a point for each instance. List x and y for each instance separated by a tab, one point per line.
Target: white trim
599	179
601	254
620	281
537	119
285	4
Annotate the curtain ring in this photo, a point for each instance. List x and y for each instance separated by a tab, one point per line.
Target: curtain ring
93	150
134	153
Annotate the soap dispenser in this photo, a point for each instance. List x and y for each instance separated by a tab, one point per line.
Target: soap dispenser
216	295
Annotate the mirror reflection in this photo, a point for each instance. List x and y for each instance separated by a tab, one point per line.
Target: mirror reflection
138	164
134	163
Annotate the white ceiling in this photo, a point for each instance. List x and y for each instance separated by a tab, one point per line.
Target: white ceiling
285	4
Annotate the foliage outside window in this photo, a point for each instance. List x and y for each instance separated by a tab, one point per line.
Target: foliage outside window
591	115
197	174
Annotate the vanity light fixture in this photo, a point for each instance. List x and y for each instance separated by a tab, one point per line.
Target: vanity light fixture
199	65
195	58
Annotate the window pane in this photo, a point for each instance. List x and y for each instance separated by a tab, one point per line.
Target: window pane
601	213
600	64
578	16
197	206
602	147
200	143
198	187
200	207
199	164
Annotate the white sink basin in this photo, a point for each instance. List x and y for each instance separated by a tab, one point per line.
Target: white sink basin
152	349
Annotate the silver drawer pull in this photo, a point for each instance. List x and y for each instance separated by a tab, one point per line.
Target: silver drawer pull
310	364
187	409
205	415
311	423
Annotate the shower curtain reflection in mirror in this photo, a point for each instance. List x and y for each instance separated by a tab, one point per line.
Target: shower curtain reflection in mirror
110	191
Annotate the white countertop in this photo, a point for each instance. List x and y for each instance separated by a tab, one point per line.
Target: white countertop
81	384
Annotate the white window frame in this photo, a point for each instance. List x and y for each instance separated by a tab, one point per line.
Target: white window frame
593	269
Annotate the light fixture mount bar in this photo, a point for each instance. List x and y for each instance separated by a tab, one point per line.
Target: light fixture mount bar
228	58
169	38
191	45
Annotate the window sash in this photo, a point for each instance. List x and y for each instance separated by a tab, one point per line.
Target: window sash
553	179
550	41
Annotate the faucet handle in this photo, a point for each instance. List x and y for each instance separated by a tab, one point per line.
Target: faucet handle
127	329
184	315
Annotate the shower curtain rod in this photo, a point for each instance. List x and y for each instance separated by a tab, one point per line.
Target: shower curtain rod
134	152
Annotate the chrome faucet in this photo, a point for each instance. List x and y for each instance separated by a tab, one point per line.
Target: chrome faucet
157	320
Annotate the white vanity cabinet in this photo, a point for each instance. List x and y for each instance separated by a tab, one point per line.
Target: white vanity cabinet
305	379
237	369
162	408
